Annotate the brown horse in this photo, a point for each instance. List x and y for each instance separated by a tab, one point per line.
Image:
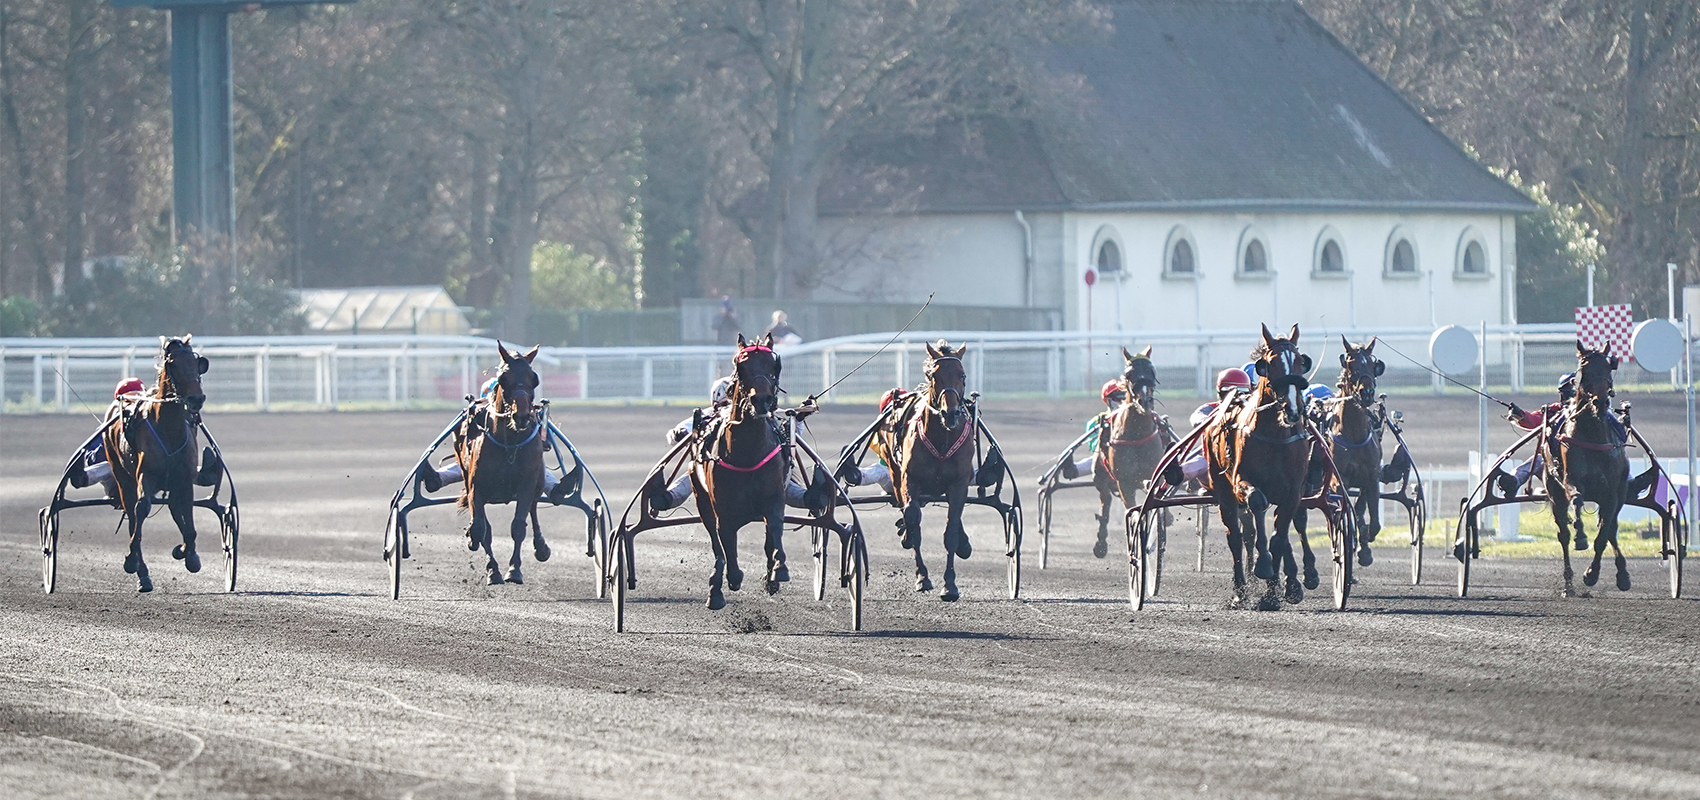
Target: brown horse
1354	438
1586	463
741	472
500	450
152	449
928	443
1259	456
1130	443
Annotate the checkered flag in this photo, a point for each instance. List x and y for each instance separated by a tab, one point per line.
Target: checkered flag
1598	325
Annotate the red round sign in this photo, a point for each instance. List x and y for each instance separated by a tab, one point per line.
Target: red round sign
1091	277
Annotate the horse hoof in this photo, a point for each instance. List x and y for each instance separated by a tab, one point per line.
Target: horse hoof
1622	581
1371	533
782	574
144	585
130	562
734	579
471	544
1295	594
716	600
1581	542
514	576
1365	557
1270	601
192	561
1101	549
1312	580
495	577
772	586
1590	577
923	584
1264	570
541	552
949	595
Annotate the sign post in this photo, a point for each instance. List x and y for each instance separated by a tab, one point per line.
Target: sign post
1091	279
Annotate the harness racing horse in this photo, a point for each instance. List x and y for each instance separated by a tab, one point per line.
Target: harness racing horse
1259	454
1354	438
1130	443
741	471
1587	464
500	450
927	441
153	449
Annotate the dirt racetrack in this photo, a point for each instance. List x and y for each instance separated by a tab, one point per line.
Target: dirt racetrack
311	683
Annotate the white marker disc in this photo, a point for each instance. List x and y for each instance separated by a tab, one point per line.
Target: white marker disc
1657	345
1452	349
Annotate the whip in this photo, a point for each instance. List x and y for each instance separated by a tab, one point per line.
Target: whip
817	395
1446	377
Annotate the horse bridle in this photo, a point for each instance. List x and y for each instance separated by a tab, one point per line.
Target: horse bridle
738	379
534	427
175	396
932	367
1150	388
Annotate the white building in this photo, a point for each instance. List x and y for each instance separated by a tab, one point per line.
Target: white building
1214	163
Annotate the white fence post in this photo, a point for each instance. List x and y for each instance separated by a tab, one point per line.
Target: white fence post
648	377
59	400
395	369
584	377
826	358
259	377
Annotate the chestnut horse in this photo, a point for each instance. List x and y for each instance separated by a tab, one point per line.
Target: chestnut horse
500	450
1130	443
1354	438
152	449
740	474
1586	463
1259	457
927	441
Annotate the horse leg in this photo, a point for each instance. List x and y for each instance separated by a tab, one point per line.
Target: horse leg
182	505
1581	538
1229	510
954	532
1561	518
516	529
1368	513
705	510
1311	579
540	548
912	540
729	549
139	505
1106	496
777	572
1281	557
949	595
1296	592
481	521
1264	567
1608	532
1591	575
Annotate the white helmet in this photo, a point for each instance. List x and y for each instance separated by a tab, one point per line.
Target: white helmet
722	390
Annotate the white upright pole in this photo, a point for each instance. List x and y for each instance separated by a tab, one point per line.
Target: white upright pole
1688	397
1481	401
1670	291
1590	285
1274	298
1352	297
1431	318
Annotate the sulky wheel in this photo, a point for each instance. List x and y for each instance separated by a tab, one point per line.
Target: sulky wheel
858	579
49	524
1046	506
1342	578
1419	526
1159	544
230	536
1203	519
1136	562
1462	544
596	544
1677	548
820	539
1012	540
621	553
392	553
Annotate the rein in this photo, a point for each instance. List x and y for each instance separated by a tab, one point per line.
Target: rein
162	444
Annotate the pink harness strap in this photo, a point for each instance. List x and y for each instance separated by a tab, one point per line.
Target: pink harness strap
763	463
925	442
1126	443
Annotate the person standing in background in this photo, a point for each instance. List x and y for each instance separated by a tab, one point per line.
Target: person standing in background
726	326
782	331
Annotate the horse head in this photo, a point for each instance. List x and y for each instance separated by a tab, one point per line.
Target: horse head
1139	377
757	369
1358	370
180	370
1593	373
947	382
516	386
1282	368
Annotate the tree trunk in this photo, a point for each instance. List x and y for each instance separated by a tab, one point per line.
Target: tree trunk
482	278
43	289
1626	252
79	63
513	230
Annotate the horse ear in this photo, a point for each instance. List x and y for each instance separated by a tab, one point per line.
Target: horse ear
163	341
1126	356
1268	338
529	356
741	343
1345	344
188	337
1146	353
1294	335
962	350
1371	347
931	353
507	358
1580	350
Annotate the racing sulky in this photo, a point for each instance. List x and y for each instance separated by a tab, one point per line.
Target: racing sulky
1132	439
1588	465
499	447
152	450
1258	454
1353	425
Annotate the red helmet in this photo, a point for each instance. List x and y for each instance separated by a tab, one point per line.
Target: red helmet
1111	390
127	386
1232	378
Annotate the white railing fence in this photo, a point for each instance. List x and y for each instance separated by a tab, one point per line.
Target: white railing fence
398	372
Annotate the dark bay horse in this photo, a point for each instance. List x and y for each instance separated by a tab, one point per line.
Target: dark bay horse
1587	464
153	449
740	474
1130	443
1259	457
500	450
928	442
1354	438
